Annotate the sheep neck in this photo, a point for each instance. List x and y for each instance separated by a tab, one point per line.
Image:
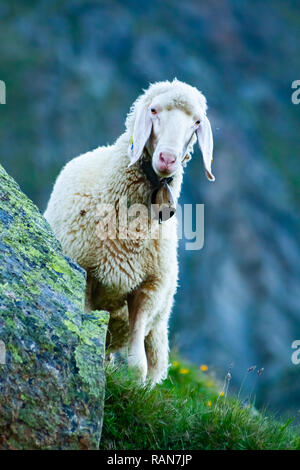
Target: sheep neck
160	186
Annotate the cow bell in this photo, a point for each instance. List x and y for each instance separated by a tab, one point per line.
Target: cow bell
162	204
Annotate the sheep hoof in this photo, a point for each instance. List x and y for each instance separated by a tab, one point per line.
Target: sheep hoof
139	369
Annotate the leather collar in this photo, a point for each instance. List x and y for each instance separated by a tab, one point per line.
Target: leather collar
161	203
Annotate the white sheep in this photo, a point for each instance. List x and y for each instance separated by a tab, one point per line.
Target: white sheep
133	277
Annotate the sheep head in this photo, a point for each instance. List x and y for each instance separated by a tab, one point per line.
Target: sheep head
168	119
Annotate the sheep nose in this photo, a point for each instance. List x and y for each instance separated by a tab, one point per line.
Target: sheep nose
167	158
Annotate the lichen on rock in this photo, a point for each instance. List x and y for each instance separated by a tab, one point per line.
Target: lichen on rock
52	380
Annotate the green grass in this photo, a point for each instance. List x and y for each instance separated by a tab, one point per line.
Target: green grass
185	412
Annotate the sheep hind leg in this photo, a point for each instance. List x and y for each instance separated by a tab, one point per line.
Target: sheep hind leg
118	330
88	304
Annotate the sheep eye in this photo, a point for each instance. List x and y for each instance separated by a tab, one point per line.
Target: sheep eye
197	122
153	111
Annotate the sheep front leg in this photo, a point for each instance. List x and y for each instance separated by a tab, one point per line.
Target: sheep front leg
141	305
156	342
157	351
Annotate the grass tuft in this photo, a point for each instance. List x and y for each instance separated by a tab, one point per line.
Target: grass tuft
188	411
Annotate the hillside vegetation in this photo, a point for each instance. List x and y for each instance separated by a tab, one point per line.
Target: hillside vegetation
190	410
73	68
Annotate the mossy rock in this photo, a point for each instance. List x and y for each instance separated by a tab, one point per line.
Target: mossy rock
52	378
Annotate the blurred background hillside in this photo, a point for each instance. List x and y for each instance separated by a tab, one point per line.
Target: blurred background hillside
73	68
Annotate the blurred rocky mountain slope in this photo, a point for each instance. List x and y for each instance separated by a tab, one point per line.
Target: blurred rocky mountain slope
72	70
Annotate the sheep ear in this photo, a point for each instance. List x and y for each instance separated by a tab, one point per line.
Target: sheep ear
141	133
205	141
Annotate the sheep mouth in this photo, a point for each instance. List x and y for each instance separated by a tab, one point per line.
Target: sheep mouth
165	173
